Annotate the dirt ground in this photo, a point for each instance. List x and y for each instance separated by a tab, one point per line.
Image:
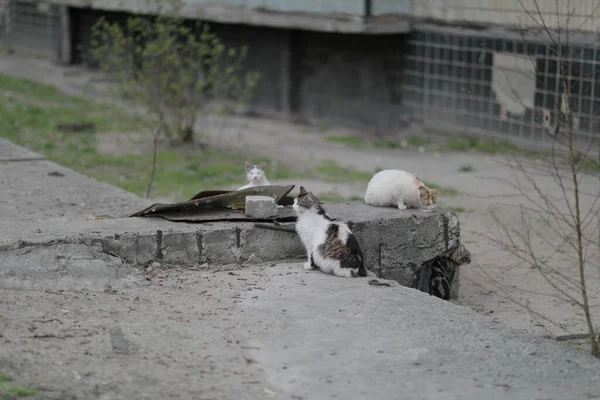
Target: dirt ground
495	284
85	345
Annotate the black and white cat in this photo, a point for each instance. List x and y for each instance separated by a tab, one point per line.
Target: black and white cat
435	276
330	244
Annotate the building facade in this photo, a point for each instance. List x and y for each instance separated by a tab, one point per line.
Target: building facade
487	67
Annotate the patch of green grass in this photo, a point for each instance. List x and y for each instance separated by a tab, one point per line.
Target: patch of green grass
417	141
27	87
355	198
466	168
458	209
481	145
331	171
584	162
29	113
352	141
12	391
443	191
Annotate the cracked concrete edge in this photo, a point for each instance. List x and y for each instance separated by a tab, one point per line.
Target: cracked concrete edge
392	247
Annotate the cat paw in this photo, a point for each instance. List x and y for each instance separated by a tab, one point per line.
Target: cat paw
401	206
307	266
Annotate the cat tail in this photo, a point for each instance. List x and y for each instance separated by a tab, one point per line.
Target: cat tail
355	258
440	287
361	272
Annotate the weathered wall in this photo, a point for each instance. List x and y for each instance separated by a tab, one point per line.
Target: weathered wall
581	14
310	6
318	77
349	78
267	48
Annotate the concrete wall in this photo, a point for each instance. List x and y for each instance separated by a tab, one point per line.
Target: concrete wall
387	7
316	77
513	12
324	16
267	51
356	7
348	78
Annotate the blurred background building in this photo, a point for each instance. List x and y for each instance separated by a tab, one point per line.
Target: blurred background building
486	67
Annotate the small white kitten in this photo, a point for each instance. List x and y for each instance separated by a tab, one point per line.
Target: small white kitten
255	175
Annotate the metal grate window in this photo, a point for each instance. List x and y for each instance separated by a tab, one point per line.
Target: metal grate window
30	26
502	85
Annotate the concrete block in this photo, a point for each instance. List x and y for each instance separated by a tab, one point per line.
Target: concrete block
260	207
121	245
180	248
271	245
146	249
395	242
220	246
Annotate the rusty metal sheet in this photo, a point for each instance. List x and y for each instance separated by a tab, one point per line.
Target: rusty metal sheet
285	214
221	206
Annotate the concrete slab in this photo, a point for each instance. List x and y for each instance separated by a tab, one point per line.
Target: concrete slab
41	190
10	152
276	333
393	242
327	338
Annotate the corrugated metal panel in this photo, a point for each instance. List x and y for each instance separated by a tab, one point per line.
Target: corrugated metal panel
354	7
383	7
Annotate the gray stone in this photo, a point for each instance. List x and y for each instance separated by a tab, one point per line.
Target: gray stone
271	245
260	207
220	246
180	248
146	249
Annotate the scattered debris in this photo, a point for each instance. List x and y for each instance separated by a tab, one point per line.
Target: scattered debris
43	321
575	336
375	282
51	336
254	259
56	173
99	217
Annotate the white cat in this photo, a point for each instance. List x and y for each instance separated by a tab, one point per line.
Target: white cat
256	176
396	188
330	245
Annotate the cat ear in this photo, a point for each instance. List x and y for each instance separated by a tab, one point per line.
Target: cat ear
248	165
262	165
423	192
302	190
434	194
